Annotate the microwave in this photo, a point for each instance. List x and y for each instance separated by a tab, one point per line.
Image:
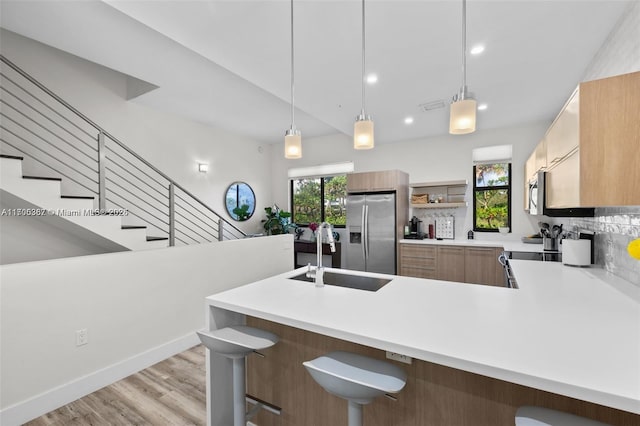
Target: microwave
537	201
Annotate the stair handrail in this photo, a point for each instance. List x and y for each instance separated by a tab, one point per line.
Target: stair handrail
101	177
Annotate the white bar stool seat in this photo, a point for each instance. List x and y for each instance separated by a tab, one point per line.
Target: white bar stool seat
538	416
236	342
356	378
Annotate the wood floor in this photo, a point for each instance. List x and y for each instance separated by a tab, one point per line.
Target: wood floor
170	393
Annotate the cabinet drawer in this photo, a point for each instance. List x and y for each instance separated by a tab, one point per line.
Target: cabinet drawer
418	262
413	250
409	271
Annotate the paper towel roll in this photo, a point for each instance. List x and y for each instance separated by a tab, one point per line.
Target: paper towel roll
576	252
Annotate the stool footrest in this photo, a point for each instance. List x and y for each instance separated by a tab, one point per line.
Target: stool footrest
259	403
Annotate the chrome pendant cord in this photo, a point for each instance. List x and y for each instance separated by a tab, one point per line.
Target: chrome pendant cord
463	90
363	59
292	74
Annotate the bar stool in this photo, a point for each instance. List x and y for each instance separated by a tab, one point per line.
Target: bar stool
236	342
356	378
538	416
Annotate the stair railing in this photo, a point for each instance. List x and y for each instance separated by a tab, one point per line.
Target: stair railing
69	143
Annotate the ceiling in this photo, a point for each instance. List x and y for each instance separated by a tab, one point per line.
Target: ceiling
227	63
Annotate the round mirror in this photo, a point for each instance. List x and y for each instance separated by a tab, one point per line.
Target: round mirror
240	201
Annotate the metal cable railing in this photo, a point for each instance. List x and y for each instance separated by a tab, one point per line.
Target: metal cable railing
38	124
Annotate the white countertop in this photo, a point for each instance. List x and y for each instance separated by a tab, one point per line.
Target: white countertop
571	331
507	244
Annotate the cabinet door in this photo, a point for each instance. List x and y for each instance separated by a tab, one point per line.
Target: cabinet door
357	182
610	141
479	265
417	261
385	180
564	134
450	263
563	183
541	156
501	279
529	172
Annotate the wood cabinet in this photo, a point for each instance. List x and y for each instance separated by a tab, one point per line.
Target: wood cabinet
476	265
386	180
610	141
481	266
418	261
592	147
434	394
450	264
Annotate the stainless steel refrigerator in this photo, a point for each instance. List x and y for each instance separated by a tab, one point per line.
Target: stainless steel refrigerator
371	232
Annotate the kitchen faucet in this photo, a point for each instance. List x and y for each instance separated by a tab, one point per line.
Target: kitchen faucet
318	273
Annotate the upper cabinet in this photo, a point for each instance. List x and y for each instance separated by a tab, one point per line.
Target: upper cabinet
386	180
563	137
610	141
593	147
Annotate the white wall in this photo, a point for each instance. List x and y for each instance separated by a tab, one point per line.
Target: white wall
429	159
173	144
132	303
620	52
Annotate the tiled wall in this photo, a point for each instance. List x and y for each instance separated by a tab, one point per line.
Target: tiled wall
615	227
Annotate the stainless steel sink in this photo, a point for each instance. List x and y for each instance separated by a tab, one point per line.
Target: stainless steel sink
345	280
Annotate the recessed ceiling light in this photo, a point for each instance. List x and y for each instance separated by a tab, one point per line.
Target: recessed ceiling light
372	78
477	49
482	107
408	120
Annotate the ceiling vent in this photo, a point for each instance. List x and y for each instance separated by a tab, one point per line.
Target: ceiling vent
430	106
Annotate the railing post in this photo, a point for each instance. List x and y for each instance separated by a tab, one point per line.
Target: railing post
102	166
220	229
172	215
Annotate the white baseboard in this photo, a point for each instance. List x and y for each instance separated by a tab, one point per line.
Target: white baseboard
57	397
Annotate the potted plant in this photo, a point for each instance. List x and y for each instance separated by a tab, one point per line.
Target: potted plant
277	221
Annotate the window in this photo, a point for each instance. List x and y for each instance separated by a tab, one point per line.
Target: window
322	199
491	196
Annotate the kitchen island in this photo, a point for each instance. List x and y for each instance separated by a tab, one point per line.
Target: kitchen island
570	331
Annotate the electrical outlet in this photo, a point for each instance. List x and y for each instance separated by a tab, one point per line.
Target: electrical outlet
82	337
399	357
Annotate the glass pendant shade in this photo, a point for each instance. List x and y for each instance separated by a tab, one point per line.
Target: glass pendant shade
462	117
293	144
363	133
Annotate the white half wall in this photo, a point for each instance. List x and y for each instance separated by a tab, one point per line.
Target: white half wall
138	307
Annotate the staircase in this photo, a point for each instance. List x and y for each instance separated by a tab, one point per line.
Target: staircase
62	167
38	196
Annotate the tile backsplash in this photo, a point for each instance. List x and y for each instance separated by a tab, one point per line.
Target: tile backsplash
615	228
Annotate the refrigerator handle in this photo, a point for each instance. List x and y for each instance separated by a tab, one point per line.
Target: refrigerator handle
366	231
362	233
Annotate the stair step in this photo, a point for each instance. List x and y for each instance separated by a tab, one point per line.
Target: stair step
78	197
42	178
13	157
133	227
157	238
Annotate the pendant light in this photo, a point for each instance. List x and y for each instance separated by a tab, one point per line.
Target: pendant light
462	118
363	128
292	137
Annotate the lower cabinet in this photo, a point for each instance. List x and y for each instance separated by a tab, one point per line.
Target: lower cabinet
451	263
481	266
418	261
476	265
